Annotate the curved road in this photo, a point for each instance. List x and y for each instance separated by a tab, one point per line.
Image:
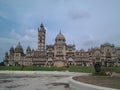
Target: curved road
35	80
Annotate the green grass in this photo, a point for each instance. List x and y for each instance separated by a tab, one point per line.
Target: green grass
35	68
106	69
14	68
81	69
112	69
101	73
71	68
32	68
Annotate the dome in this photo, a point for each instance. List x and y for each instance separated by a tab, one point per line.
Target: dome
60	37
12	49
19	48
82	50
107	44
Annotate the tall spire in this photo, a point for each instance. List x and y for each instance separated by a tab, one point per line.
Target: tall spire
60	31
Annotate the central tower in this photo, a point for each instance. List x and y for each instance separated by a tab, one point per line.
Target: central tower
41	38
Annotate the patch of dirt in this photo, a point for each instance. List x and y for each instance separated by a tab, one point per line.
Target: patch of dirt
5	81
58	84
105	81
15	86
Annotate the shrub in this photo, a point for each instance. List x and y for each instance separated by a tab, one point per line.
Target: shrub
101	73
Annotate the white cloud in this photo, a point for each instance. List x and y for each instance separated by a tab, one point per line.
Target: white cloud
5	44
15	35
3	15
84	23
78	14
6	40
28	38
31	32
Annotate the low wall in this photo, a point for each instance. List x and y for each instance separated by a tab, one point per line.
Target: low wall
75	85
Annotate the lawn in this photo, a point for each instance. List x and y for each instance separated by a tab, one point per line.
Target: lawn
71	68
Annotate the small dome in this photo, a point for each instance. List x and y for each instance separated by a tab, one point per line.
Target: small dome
19	48
28	49
12	49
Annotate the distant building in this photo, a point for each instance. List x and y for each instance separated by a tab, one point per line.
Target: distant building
61	54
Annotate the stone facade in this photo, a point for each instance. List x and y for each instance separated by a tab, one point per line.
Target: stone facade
62	54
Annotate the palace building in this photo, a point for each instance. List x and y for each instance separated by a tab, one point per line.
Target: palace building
61	54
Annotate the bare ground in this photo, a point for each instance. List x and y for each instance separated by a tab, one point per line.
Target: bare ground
105	81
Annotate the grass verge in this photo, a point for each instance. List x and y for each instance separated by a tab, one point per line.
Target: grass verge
89	69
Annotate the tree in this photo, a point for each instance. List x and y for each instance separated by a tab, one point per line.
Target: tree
97	67
1	63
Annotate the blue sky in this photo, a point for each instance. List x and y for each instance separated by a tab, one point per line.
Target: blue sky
85	23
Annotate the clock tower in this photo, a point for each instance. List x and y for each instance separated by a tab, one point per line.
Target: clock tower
41	38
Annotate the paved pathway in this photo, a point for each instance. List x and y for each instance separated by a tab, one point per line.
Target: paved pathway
35	80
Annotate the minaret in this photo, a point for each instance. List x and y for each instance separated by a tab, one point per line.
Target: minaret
41	38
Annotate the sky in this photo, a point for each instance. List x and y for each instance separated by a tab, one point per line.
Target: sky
85	23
